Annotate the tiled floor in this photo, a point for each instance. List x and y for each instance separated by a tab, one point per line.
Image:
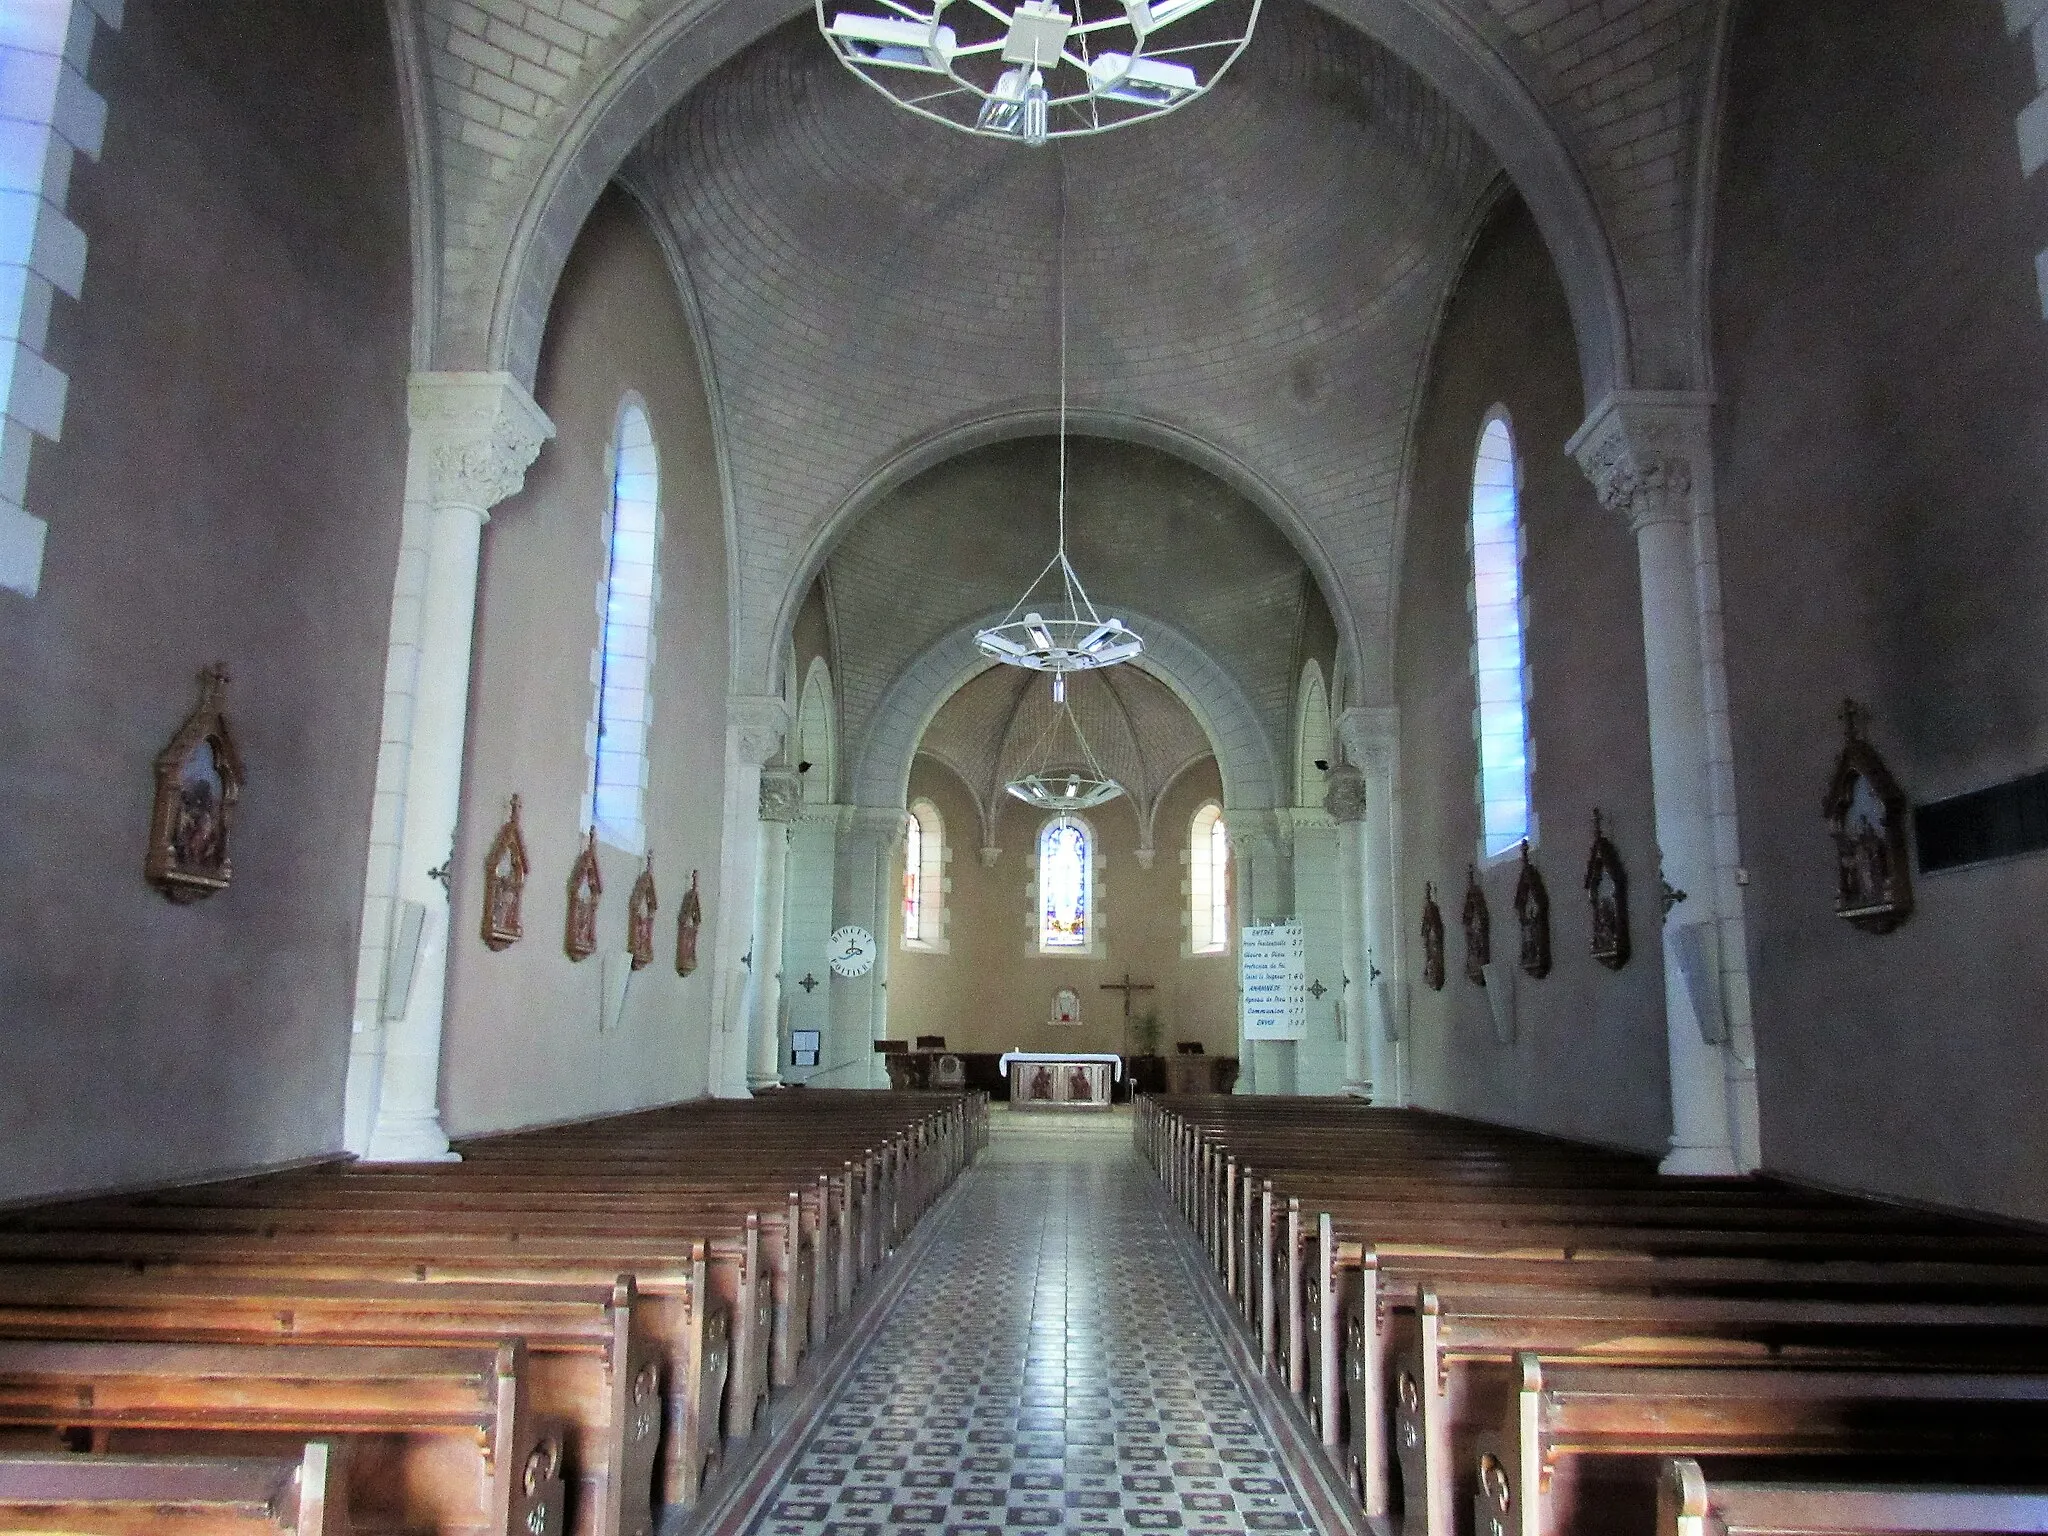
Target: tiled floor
1046	1368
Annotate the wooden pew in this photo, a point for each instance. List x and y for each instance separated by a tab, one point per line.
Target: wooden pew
1451	1358
592	1361
439	1439
83	1495
1689	1503
1561	1456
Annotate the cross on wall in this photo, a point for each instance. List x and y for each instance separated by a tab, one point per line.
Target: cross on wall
1128	987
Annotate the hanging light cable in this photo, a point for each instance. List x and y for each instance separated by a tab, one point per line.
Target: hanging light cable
1063	780
1067	633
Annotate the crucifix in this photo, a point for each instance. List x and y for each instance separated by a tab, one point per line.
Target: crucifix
1127	987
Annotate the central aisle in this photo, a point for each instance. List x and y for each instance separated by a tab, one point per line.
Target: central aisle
1047	1366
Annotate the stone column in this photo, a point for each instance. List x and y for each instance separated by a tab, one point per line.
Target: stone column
781	804
1650	457
1344	799
865	894
1372	739
754	727
1262	855
473	437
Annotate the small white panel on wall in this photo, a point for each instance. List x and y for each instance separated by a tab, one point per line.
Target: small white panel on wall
616	969
405	954
1272	976
1697	953
1500	998
1393	997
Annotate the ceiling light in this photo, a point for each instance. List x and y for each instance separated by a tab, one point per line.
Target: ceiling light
1061	771
1035	70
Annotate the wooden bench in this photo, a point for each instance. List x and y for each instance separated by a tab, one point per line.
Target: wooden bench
1689	1503
84	1495
591	1359
439	1439
1572	1437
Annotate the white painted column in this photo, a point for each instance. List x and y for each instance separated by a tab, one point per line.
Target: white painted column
1345	801
473	437
864	894
755	724
781	804
806	925
1372	740
1650	457
1263	855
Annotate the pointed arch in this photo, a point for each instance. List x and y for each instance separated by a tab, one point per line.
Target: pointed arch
1312	734
817	735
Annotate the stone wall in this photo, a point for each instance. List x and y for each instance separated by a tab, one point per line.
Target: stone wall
1882	465
227	489
1588	1054
528	1036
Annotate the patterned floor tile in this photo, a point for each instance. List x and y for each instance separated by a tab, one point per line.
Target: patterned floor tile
1044	1371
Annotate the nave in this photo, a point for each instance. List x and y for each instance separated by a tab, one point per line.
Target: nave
1048	1364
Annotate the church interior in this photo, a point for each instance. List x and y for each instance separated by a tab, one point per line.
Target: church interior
581	956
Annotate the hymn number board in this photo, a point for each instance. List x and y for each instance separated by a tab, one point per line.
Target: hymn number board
1273	982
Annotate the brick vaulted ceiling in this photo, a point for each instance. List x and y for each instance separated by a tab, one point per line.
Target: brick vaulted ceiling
1258	274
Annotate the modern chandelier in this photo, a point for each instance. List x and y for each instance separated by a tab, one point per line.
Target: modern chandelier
1062	778
1055	627
1034	71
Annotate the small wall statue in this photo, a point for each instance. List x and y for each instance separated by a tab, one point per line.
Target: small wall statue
1478	924
1432	940
198	781
1866	815
689	918
586	888
1607	891
640	909
505	871
1532	913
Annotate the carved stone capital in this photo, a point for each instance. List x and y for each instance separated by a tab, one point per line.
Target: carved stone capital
782	795
1260	831
757	723
1344	799
1643	450
1372	740
882	824
480	433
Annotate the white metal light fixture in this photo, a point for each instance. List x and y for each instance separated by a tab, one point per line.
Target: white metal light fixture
1055	627
1040	69
1059	776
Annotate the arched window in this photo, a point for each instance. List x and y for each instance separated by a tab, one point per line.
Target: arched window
1066	884
1208	882
626	657
924	877
1311	736
1499	659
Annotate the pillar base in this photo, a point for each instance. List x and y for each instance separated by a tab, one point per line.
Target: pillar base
410	1141
1699	1163
1363	1091
758	1084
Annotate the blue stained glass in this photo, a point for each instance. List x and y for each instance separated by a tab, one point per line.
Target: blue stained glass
1498	650
1063	886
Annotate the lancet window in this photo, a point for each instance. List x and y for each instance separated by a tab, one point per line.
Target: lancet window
1499	655
924	876
1209	882
1066	884
625	669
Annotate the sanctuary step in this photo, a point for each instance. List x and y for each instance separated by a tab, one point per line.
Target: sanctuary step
636	1287
1497	1332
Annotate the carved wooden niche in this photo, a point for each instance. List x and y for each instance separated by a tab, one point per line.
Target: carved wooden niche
198	781
586	886
1532	912
1432	940
689	918
1607	891
1866	814
505	870
1478	923
640	917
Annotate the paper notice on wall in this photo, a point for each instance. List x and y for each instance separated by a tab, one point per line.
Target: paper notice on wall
1273	982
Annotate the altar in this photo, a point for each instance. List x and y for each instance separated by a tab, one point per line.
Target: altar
1061	1079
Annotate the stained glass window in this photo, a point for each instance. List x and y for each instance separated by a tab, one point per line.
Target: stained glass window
626	658
1501	720
1209	882
924	876
1063	885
